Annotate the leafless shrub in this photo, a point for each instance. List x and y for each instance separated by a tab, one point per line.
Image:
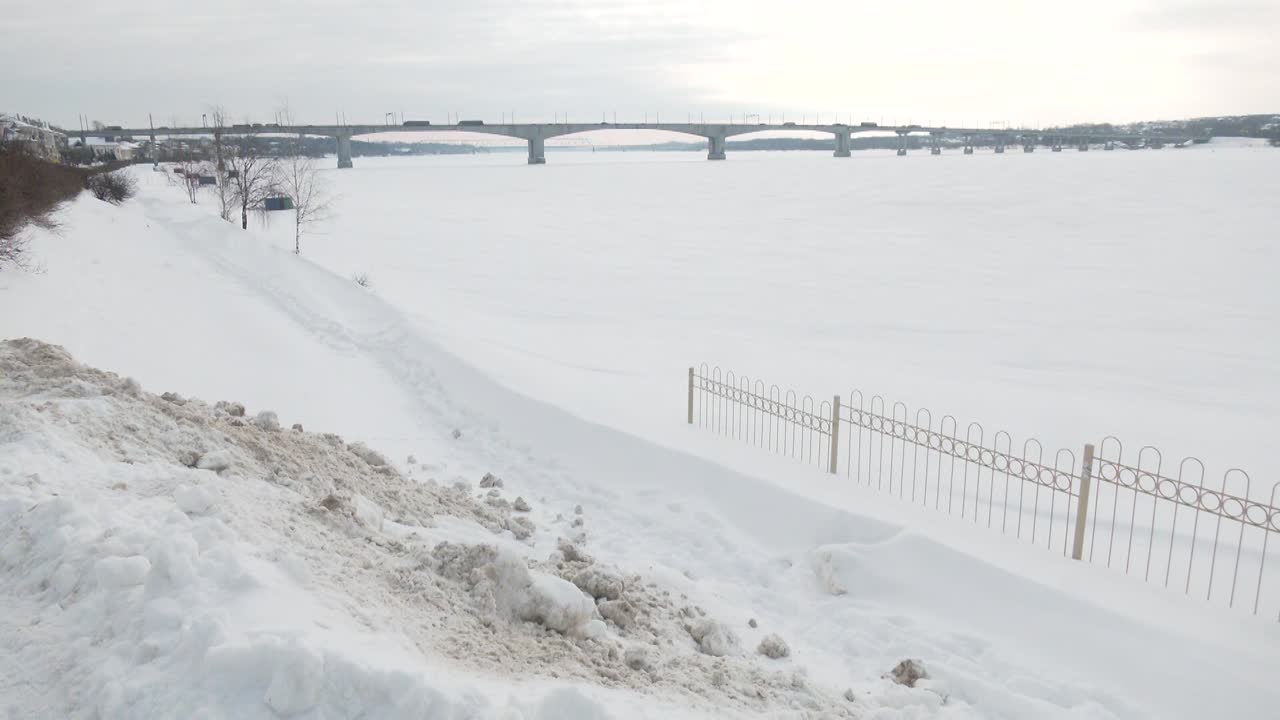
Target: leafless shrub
113	187
189	177
363	280
13	251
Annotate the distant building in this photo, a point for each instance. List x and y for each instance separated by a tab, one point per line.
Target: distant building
37	136
112	149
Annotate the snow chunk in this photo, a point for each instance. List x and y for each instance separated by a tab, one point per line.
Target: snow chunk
520	505
267	420
217	461
599	583
130	387
714	638
368	454
620	612
637	658
555	603
502	582
490	481
908	672
570	552
367	512
522	528
122	572
195	499
773	647
234	409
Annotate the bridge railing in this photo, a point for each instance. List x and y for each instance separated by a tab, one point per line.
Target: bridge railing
1170	523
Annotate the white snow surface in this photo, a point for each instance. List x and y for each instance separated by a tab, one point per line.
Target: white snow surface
136	584
1062	296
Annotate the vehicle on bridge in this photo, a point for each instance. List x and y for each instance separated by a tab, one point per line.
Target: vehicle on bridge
470	122
416	123
867	124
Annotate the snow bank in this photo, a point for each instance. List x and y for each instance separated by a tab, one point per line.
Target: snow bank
118	568
279	587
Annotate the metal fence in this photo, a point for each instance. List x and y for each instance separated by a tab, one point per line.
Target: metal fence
1130	512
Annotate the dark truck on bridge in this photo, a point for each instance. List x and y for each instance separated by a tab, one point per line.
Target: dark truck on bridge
416	123
470	122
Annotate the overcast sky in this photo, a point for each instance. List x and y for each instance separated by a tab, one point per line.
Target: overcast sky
928	61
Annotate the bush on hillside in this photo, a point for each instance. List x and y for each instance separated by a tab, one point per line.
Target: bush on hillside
113	187
31	190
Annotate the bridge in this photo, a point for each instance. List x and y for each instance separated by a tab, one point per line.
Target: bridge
536	134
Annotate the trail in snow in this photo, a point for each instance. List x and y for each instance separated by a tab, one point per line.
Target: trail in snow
851	594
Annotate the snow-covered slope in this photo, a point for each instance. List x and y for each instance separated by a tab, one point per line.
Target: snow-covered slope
242	593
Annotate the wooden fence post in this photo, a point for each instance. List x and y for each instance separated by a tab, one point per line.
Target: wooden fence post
690	396
1082	503
835	433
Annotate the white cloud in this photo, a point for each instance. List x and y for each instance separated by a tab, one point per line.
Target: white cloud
930	60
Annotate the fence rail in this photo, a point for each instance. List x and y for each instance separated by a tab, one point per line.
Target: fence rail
1101	506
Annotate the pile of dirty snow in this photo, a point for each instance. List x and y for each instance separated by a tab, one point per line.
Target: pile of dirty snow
160	556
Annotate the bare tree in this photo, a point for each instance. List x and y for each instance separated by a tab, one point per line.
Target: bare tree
253	177
300	181
189	171
226	193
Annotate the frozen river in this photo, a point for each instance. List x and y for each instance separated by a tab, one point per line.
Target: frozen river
1063	296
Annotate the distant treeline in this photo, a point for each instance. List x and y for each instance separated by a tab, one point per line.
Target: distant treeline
177	149
827	143
1252	126
281	146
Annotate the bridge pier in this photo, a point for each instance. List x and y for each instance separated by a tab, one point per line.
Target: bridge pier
715	147
537	151
344	151
1084	146
1057	145
902	144
1000	143
968	145
1110	145
842	144
935	145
